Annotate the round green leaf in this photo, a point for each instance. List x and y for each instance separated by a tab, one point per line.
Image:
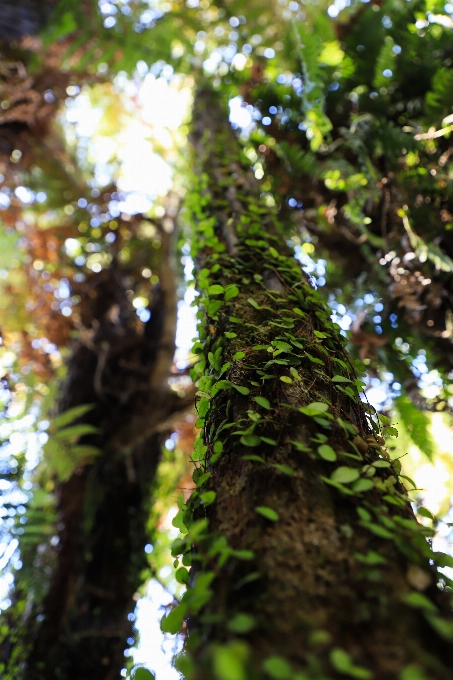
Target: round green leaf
327	453
231	291
286	379
314	409
182	575
268	513
277	667
208	497
241	623
172	622
250	440
262	401
345	475
242	390
141	673
215	289
239	355
362	485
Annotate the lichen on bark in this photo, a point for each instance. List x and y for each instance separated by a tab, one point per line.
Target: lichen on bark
306	559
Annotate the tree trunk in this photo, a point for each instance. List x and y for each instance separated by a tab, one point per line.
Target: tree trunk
307	559
120	366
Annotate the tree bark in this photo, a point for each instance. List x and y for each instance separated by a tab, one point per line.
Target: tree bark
307	560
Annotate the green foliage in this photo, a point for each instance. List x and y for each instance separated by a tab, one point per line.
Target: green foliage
62	452
416	423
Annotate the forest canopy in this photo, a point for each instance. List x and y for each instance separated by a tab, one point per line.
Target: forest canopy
278	175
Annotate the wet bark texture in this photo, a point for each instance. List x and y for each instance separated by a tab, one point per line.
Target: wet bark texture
120	366
324	577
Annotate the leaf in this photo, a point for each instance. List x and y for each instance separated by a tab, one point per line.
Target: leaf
268	513
298	311
230	335
250	440
218	446
301	447
286	379
442	559
331	54
381	464
229	661
345	475
243	554
408	479
231	292
242	390
268	440
200	479
321	335
141	673
208	497
340	379
216	289
262	401
314	409
314	360
327	453
255	458
425	513
277	667
253	302
283	468
238	355
417	424
419	601
362	485
182	575
172	622
74	432
241	623
71	415
342	662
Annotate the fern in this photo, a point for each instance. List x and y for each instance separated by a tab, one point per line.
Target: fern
301	162
313	93
62	452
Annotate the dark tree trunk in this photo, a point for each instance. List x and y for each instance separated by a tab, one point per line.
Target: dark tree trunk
312	564
120	366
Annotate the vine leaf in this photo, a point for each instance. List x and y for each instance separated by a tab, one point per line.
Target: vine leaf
215	289
262	401
345	475
283	468
314	409
327	453
268	513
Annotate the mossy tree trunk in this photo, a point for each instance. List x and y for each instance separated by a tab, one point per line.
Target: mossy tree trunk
307	559
120	366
